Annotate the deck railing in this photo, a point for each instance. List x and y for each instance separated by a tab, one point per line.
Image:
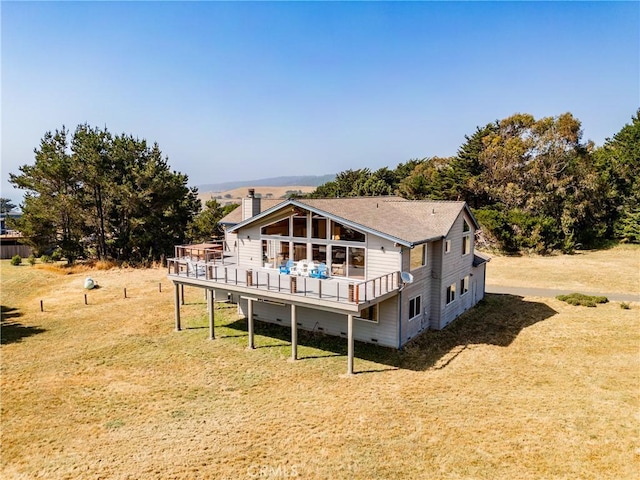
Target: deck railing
333	289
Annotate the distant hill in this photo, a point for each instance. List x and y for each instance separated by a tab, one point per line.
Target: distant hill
307	180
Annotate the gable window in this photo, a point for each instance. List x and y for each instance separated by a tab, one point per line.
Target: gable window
280	227
418	256
318	227
451	293
466	244
300	226
447	246
344	233
465	226
414	307
464	285
370	314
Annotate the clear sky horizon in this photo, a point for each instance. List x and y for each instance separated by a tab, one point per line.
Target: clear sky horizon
242	91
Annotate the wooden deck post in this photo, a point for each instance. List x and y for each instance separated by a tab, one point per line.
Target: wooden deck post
250	322
350	344
182	293
177	306
211	302
294	333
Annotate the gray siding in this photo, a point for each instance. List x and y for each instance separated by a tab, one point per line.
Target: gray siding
382	257
384	332
456	266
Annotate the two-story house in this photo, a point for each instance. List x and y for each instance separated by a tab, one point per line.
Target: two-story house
374	269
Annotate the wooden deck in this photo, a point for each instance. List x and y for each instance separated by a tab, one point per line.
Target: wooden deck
340	292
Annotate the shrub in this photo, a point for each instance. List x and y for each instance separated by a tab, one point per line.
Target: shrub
625	306
46	259
580	299
31	259
56	256
16	260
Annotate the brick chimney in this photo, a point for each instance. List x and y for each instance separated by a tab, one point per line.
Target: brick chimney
250	205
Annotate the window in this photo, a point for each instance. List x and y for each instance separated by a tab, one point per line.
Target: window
355	268
341	232
300	226
451	293
319	253
318	227
418	256
299	251
465	226
466	244
447	246
464	285
369	314
414	307
278	228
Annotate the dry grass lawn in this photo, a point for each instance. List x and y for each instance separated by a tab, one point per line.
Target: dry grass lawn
520	388
615	270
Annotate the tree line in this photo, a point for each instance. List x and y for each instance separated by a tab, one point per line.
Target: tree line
533	185
93	194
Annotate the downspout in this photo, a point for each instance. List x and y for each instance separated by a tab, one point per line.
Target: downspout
400	320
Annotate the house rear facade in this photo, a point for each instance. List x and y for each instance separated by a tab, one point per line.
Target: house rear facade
389	268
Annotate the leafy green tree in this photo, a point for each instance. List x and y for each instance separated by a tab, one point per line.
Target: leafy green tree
6	205
205	226
618	164
105	196
52	212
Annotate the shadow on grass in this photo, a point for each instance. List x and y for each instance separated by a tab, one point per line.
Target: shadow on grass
497	320
10	330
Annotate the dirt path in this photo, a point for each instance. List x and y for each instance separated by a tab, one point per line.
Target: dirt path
549	292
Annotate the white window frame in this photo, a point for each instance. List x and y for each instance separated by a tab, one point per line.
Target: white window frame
417	311
447	246
466	245
451	293
424	248
464	285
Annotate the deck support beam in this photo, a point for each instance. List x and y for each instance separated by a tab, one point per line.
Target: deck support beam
250	322
294	334
177	305
211	303
350	344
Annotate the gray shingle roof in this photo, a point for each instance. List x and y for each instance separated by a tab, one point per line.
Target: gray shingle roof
407	221
412	221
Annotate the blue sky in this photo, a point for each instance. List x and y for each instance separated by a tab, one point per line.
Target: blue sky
239	91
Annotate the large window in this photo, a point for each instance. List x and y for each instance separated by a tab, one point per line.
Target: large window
418	256
278	228
300	226
451	293
465	226
338	261
319	253
415	306
355	268
299	251
318	227
343	233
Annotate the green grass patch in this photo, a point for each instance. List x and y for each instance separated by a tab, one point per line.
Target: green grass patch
580	299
